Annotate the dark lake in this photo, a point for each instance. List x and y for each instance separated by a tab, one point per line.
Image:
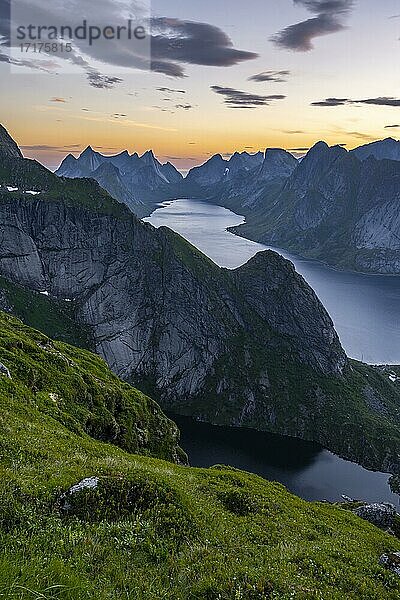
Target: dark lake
304	468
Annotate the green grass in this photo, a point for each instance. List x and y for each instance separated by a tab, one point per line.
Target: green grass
77	389
152	529
30	175
55	318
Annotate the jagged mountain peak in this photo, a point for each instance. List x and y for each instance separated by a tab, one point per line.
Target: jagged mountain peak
7	145
321	151
217	158
88	150
277	163
389	148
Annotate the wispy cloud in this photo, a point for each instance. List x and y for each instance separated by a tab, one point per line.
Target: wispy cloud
167	90
123	122
277	76
361	136
239	99
330	16
392	126
49	148
380	101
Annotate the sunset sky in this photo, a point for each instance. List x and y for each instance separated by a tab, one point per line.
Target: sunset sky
285	56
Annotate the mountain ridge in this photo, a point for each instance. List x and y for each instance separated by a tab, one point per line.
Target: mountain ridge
189	333
140	182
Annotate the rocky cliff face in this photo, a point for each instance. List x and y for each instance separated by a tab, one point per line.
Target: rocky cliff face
337	208
251	347
252	192
216	173
8	148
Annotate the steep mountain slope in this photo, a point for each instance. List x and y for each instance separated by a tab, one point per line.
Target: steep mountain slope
252	192
336	208
83	519
138	182
76	389
215	174
8	148
251	347
388	148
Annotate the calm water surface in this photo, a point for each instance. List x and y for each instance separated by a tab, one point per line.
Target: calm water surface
304	468
366	313
364	308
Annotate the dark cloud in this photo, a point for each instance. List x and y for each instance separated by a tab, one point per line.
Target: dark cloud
174	42
5	19
61	100
167	68
293	131
170	90
334	7
331	102
184	106
298	149
239	99
380	101
277	76
392	126
329	19
104	82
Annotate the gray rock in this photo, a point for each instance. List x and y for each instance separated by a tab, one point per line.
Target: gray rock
391	562
4	371
381	515
90	483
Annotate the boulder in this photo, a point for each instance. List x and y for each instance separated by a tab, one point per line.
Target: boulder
391	562
90	483
4	371
381	515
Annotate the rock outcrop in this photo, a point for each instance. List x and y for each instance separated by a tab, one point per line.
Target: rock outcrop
381	515
391	561
5	371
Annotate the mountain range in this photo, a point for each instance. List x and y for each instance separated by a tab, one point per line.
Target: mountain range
339	207
336	206
140	182
251	347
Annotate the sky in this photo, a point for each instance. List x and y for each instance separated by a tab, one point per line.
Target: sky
226	76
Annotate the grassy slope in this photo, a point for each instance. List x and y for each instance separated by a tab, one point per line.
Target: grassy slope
55	318
153	529
76	388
